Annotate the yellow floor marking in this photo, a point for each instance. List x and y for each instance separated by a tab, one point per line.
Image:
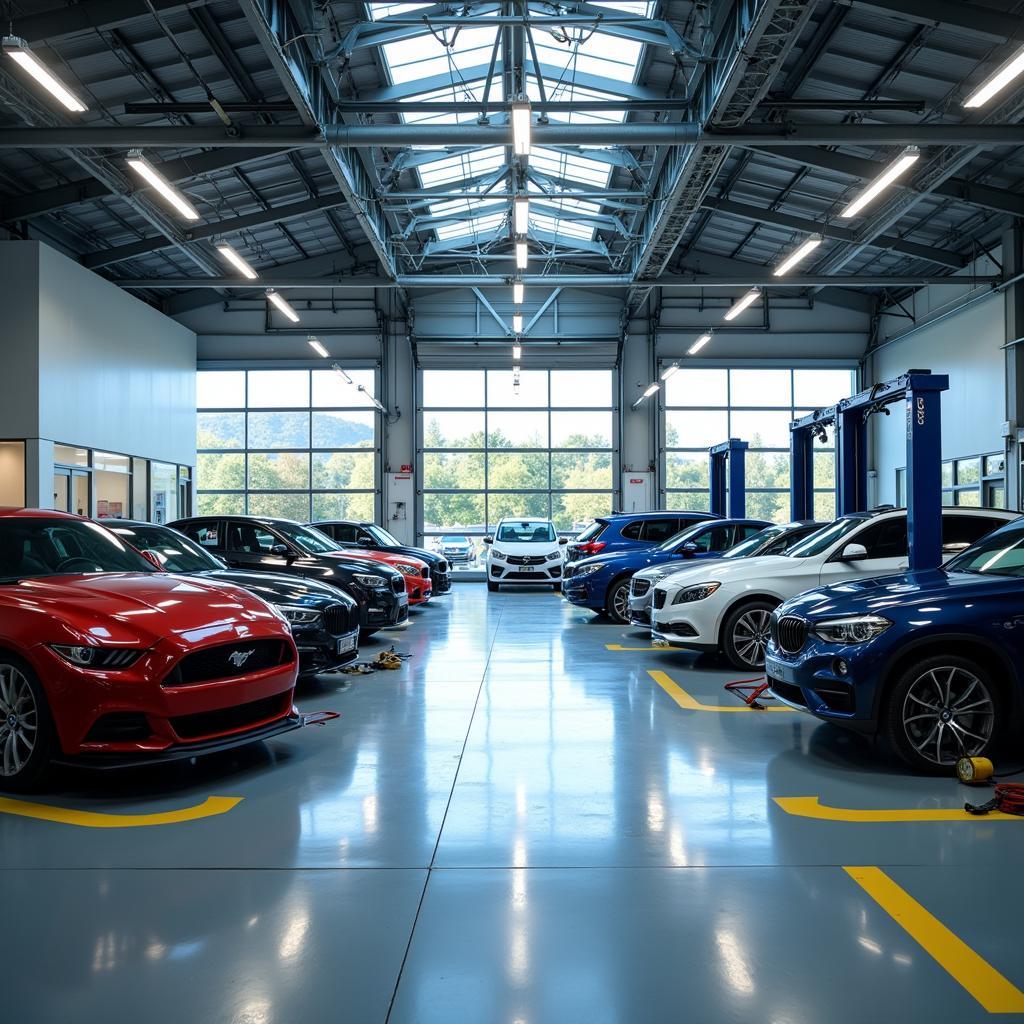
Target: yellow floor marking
688	703
995	993
210	807
619	647
809	807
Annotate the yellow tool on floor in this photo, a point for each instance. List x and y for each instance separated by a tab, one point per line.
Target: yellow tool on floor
387	660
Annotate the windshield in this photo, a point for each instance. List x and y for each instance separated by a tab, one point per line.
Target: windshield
527	533
382	537
681	537
454	540
175	552
825	538
999	554
755	543
31	547
311	541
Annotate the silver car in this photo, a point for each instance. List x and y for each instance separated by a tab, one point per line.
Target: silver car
774	540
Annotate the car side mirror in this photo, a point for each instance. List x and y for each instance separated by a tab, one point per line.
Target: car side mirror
281	549
563	540
689	549
488	540
150	556
853	553
366	541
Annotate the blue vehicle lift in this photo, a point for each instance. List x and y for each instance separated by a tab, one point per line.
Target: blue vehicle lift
728	457
921	390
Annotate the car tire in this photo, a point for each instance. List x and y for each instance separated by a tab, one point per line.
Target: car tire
22	696
617	603
745	634
912	713
492	587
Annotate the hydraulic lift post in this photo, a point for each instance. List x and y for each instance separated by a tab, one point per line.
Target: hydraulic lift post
728	457
921	390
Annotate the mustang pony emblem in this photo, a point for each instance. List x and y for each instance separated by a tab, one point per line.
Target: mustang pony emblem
239	658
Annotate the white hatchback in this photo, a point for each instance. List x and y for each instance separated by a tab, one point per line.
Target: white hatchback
727	606
524	551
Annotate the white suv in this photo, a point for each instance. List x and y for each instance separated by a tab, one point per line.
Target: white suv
524	551
727	606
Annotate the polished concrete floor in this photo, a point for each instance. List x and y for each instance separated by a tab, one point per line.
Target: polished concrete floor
521	826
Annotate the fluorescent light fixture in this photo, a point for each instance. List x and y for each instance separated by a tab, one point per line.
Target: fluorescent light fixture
522	255
336	367
515	370
517	323
521	126
699	344
668	371
317	346
142	167
800	252
1012	69
521	215
651	388
17	49
741	304
231	255
898	167
282	304
518	292
517	352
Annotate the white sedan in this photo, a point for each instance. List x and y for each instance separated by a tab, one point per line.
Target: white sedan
727	606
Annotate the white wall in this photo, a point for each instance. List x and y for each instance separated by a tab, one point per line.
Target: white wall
968	347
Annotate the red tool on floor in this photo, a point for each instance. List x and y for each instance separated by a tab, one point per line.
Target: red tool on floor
320	717
750	691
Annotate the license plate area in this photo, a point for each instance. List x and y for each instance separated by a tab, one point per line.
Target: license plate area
345	644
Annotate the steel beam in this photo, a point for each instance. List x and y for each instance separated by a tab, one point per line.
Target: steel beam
396	136
695	282
829	229
496	106
89	15
214	229
956	13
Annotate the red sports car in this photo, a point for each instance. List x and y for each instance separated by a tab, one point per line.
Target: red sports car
106	659
416	572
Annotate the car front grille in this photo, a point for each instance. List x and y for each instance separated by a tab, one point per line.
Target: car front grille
530	576
789	632
659	598
526	559
227	661
398	585
210	723
338	621
639	587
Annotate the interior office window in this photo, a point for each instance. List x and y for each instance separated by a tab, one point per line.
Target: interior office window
12	473
491	446
704	406
112	484
163	492
299	444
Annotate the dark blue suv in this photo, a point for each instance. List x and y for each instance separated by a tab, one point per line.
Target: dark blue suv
625	531
601	582
932	660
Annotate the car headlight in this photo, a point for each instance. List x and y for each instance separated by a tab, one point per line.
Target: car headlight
856	629
498	554
299	616
409	570
102	659
373	582
554	556
588	570
698	593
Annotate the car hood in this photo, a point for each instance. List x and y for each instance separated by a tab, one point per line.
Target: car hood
280	589
641	559
665	569
389	558
430	557
728	570
347	560
546	548
145	607
903	590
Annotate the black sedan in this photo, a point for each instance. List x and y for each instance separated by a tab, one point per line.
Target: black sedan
280	545
324	621
352	533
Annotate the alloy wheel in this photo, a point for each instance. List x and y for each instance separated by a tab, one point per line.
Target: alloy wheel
19	721
620	603
750	636
948	712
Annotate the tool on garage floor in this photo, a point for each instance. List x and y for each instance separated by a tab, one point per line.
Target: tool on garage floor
388	660
751	691
979	771
320	717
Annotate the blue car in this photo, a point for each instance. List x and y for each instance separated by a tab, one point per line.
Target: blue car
630	531
934	661
601	582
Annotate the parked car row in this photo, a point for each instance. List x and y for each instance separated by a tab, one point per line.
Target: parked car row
126	642
831	613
